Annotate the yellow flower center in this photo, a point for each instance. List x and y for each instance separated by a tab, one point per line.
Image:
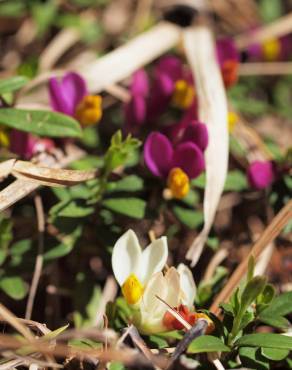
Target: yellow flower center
4	138
183	94
89	110
271	49
232	120
132	289
178	182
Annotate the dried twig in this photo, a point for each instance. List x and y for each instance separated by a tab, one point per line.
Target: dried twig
39	259
270	233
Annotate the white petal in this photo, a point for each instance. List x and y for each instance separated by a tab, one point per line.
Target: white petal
187	284
173	282
154	258
150	304
126	256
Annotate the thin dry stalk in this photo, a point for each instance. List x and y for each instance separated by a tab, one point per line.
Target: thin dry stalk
265	68
175	314
200	51
270	233
39	259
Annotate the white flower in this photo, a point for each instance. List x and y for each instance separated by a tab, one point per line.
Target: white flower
176	287
133	267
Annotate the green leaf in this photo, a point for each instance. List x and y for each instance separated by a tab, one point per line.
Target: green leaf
158	341
43	123
12	84
267	295
20	247
269	340
253	288
207	343
131	207
71	208
188	217
235	181
280	305
275	354
128	183
55	333
250	268
199	182
13	286
116	366
44	15
276	321
252	358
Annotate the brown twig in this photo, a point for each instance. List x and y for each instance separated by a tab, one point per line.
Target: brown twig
270	233
39	259
265	68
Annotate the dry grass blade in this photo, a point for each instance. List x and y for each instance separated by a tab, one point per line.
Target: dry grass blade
200	51
125	60
21	188
6	167
56	48
270	233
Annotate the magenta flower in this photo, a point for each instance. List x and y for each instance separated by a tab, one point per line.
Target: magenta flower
161	156
271	50
260	174
228	59
136	108
26	145
70	96
65	95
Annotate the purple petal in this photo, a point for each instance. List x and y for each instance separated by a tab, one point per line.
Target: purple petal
58	101
254	52
158	154
67	93
140	83
226	50
135	111
26	145
189	157
260	174
74	86
160	95
171	66
197	133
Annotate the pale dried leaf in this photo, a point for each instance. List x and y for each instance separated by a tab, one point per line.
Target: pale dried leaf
6	167
200	51
50	176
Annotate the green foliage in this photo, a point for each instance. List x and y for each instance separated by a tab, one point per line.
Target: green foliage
44	15
188	217
274	313
13	286
131	207
207	343
5	237
43	123
235	181
128	183
267	340
12	84
120	151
